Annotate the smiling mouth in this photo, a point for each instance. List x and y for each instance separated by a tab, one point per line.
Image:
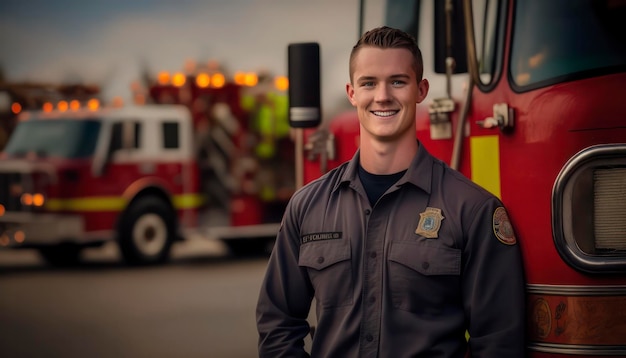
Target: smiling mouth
384	113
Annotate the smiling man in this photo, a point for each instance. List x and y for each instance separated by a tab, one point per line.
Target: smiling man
402	254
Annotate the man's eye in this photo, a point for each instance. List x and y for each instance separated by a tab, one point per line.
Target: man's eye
397	83
367	84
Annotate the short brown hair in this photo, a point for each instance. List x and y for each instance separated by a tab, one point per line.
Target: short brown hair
387	37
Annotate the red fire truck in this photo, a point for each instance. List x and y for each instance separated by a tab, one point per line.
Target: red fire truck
526	100
190	164
243	148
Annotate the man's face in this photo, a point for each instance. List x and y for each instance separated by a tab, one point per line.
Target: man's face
384	89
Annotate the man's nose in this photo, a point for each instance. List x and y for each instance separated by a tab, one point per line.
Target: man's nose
382	94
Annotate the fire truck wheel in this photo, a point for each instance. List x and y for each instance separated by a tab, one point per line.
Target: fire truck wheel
146	232
64	255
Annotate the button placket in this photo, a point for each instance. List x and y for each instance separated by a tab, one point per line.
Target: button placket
372	290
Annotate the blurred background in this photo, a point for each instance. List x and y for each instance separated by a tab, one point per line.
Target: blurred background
200	303
113	43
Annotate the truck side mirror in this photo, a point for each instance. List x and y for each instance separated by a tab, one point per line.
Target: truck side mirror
304	85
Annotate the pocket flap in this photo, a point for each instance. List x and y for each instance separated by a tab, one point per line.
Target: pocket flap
426	259
319	255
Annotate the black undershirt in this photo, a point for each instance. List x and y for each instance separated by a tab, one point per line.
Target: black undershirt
376	185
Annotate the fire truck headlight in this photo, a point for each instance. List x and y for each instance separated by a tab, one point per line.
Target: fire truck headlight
4	240
19	236
8	236
27	199
38	199
588	210
32	199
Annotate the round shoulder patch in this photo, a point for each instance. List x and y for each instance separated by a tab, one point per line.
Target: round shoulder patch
502	227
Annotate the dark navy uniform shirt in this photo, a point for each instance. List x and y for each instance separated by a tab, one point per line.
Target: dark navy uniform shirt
434	257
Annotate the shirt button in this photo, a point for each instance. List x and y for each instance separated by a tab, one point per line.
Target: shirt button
372	299
425	265
369	337
320	260
367	211
373	255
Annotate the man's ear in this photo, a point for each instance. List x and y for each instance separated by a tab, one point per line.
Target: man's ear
422	89
350	93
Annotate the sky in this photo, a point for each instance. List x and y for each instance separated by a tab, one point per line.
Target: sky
109	41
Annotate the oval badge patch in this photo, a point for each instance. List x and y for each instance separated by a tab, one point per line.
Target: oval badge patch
502	227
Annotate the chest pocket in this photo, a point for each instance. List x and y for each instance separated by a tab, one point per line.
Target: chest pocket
424	278
329	266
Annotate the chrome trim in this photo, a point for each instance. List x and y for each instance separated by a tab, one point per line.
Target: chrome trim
44	228
575	290
321	143
470	39
594	156
574	349
300	114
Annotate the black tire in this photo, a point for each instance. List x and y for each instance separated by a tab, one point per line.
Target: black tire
64	255
146	232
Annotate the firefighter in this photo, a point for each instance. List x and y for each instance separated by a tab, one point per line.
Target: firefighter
402	254
267	110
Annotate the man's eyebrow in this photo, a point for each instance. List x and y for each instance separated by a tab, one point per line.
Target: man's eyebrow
371	78
401	75
365	78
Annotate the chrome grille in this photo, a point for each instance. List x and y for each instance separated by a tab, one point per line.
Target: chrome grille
589	210
12	185
610	208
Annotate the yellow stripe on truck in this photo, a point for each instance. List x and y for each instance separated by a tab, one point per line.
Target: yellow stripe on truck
485	162
102	203
115	203
188	201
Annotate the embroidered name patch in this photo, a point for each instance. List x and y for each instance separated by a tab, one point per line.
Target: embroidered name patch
430	222
320	236
502	227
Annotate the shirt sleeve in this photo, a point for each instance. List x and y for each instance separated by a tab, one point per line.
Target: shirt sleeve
493	284
285	297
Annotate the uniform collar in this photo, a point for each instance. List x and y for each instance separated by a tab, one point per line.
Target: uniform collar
419	172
